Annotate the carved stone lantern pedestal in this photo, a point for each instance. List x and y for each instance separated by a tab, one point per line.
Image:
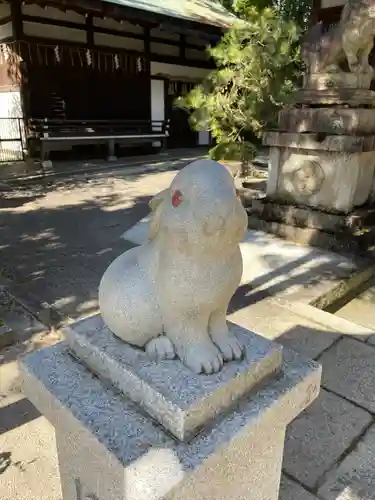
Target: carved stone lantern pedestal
321	188
131	428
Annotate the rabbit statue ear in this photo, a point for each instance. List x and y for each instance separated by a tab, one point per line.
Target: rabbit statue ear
156	207
157	199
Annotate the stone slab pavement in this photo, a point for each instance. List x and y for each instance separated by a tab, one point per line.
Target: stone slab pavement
57	240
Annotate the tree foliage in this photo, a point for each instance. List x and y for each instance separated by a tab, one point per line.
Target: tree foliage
293	10
257	67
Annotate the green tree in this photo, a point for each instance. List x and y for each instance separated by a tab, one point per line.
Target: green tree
228	4
296	10
293	10
257	67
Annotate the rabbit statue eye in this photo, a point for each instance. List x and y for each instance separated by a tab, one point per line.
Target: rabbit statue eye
177	198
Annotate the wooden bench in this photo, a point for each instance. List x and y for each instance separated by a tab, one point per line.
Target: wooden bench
56	135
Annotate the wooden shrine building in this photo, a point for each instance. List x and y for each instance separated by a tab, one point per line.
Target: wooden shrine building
103	61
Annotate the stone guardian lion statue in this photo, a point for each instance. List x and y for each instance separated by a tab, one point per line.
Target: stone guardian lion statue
170	295
350	40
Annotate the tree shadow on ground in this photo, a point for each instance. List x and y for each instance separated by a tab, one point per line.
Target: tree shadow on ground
5	461
46	248
58	244
16	414
288	269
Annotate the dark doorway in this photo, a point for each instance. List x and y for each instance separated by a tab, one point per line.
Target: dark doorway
181	134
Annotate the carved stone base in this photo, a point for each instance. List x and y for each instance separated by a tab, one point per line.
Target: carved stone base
333	181
322	161
342	80
354	232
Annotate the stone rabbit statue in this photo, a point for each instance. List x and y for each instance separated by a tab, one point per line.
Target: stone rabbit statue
170	295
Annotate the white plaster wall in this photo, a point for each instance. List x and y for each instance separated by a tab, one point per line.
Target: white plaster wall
10	107
203	138
52	13
163	49
157	90
118	42
157	102
177	71
54	32
10	104
6	31
4	10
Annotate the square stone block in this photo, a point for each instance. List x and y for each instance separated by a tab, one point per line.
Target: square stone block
340	143
328	120
349	370
320	178
109	449
355	98
317	439
354	479
177	398
344	80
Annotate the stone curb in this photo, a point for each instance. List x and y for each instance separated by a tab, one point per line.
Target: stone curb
51	174
338	324
41	310
344	287
7	336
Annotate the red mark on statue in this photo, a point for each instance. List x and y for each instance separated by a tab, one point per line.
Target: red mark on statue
177	198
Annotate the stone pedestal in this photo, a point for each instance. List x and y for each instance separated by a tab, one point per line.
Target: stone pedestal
322	159
130	428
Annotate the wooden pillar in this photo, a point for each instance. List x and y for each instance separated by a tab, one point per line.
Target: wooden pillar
147	47
314	15
147	52
183	46
16	14
90	30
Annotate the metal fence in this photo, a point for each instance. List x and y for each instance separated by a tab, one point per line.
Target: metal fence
12	139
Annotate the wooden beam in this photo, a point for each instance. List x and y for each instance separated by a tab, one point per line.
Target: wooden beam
118	12
106	31
154	57
16	15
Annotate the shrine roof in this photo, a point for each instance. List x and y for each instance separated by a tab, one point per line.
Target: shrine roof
208	12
